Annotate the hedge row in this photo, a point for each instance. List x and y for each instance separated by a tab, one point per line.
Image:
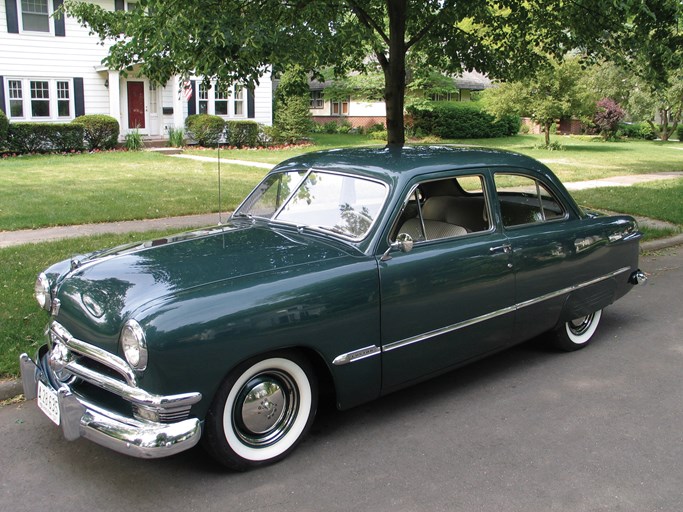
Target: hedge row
459	121
208	130
85	132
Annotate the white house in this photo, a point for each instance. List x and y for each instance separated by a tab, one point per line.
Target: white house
51	71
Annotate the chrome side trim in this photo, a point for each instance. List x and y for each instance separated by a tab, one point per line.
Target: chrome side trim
356	355
461	325
101	356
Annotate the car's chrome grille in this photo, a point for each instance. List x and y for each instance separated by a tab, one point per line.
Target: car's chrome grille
70	359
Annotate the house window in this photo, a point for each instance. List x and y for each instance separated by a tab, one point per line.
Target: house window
35	15
16	98
131	6
446	96
203	99
340	108
221	100
40	98
317	100
63	99
239	101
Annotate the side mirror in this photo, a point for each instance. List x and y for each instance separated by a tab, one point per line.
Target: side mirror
404	243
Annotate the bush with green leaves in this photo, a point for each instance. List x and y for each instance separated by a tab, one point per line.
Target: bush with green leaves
4	128
44	137
100	131
133	141
637	131
242	134
176	137
292	120
205	129
463	120
679	132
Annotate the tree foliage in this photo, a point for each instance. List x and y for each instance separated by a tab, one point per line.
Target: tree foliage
552	93
608	115
235	40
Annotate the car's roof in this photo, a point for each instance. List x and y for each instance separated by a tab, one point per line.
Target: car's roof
392	164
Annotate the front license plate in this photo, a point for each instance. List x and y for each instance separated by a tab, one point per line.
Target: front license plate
48	402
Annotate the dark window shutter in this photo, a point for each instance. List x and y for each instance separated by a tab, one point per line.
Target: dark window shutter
12	16
192	102
251	109
2	95
79	97
60	29
118	5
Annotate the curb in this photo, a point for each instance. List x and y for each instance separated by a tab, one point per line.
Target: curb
12	388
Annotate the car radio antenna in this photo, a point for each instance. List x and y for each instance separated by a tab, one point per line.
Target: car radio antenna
219	185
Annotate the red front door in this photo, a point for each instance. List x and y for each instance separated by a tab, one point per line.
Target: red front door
136	105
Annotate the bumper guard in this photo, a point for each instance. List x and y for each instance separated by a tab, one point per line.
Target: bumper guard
79	418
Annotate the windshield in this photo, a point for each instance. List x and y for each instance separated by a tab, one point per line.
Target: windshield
342	204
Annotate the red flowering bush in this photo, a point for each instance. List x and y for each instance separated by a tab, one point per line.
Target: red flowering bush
608	115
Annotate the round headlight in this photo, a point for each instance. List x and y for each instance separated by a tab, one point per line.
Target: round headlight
133	345
42	292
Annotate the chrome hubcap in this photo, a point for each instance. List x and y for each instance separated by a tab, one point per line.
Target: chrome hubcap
580	325
265	408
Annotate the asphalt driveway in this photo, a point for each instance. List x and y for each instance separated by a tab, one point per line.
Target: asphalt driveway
526	430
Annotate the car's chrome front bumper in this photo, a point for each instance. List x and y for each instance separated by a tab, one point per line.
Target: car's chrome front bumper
80	418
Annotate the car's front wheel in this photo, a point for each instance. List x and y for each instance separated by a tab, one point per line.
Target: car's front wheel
577	333
261	411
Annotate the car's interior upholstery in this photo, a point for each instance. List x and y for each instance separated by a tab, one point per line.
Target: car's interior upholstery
441	216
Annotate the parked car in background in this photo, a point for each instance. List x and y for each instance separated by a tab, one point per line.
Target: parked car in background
356	272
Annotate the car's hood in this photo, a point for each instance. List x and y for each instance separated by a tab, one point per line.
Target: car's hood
106	287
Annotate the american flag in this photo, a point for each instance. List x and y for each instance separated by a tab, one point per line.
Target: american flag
187	90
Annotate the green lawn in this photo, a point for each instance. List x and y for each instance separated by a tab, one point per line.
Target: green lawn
661	200
53	190
38	191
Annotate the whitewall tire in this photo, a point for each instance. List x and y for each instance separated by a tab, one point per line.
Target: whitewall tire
577	333
262	410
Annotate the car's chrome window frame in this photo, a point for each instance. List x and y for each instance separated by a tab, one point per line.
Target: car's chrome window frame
537	180
317	228
485	196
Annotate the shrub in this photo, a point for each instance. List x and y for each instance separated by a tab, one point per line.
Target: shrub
460	121
204	129
679	132
133	141
100	131
379	135
242	133
176	137
377	127
330	127
637	131
608	115
44	137
292	120
4	128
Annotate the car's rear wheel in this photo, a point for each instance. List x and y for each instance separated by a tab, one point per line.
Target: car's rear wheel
577	333
261	411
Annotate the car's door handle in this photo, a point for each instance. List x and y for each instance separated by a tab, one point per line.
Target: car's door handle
506	248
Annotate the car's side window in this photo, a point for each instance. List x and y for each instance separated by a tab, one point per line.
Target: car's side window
525	200
446	208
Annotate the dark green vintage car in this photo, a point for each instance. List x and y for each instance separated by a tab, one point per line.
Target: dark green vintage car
356	272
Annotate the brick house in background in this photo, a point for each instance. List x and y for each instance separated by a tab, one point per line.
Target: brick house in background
361	113
51	71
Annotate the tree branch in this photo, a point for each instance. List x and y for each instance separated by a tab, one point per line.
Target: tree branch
367	20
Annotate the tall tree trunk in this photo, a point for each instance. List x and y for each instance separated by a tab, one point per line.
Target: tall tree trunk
546	132
664	132
395	72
